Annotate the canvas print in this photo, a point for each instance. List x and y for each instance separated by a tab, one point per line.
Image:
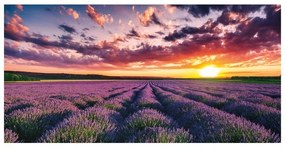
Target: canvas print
142	73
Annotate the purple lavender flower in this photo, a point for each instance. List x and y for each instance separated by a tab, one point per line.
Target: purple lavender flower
161	135
147	118
74	131
113	105
10	136
266	116
212	125
26	123
141	111
146	99
94	124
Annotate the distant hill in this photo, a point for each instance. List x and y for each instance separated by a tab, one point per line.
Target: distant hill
63	76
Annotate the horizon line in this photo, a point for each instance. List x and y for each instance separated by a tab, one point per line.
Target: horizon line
218	77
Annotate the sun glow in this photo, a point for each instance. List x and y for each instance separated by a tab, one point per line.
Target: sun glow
209	72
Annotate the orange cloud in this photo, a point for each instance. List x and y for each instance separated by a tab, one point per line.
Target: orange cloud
15	27
72	13
149	17
145	18
98	18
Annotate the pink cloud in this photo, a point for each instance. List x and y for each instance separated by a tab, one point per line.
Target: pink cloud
145	18
69	11
98	18
72	13
15	26
149	17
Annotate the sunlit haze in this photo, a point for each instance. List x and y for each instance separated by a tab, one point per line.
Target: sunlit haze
209	71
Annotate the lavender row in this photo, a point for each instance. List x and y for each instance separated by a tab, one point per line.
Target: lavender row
94	124
270	118
146	99
211	125
31	122
149	125
232	91
263	115
199	97
122	103
148	122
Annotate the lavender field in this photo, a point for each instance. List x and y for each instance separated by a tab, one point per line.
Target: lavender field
142	111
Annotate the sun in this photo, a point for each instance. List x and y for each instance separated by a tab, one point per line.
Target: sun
209	72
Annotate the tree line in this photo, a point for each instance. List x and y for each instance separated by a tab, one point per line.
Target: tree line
18	77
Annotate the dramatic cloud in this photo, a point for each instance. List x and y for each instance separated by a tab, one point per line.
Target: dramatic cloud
50	57
237	36
237	14
254	34
228	18
175	35
69	11
273	18
231	18
133	33
15	29
188	30
117	38
200	10
203	10
86	38
66	38
98	18
136	34
67	28
244	9
109	53
149	17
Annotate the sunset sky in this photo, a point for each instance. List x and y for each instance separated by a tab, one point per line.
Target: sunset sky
143	40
